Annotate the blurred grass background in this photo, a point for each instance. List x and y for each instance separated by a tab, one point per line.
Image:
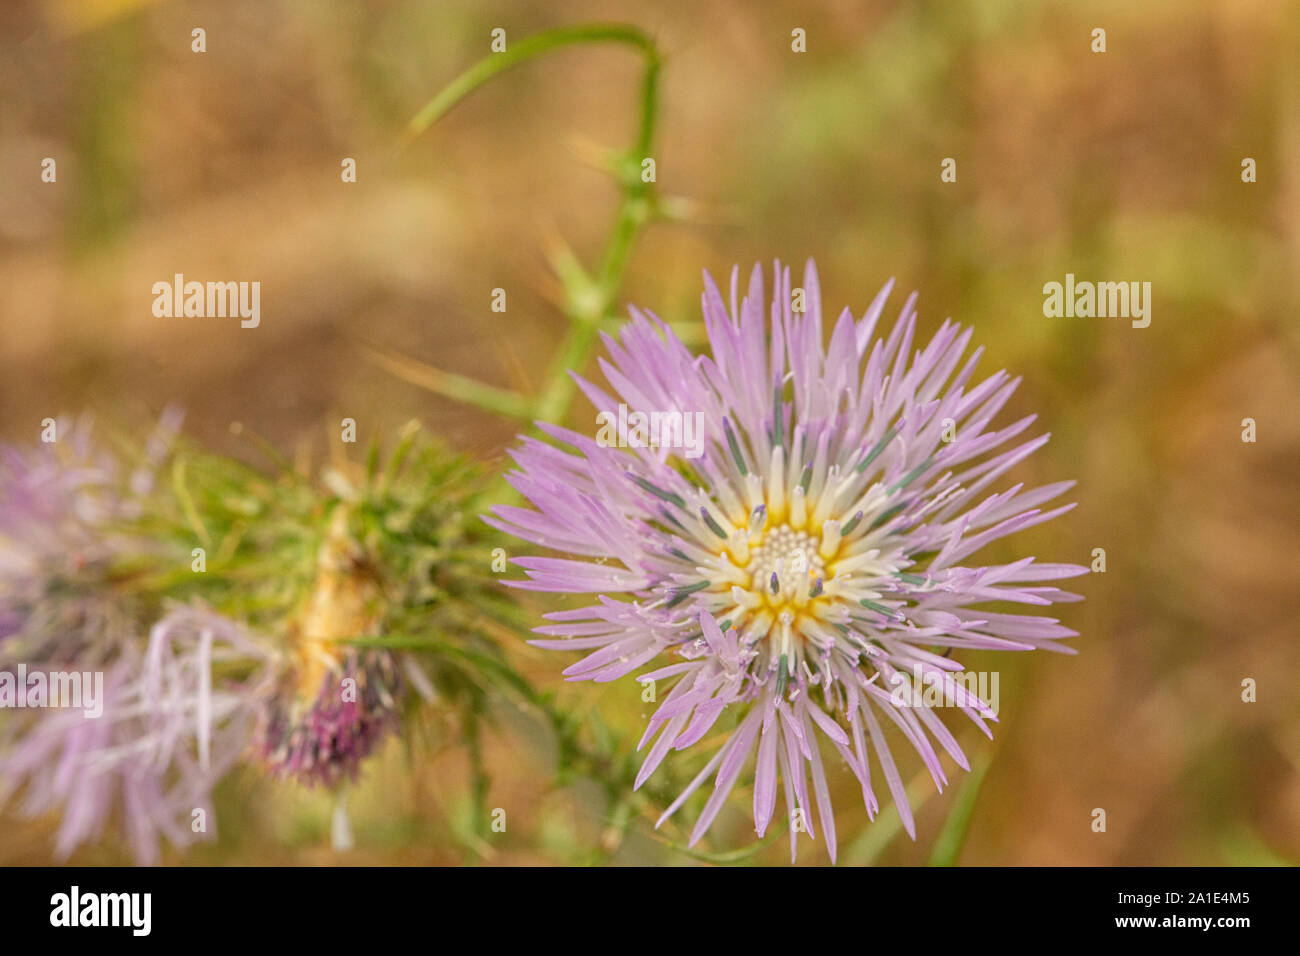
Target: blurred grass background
1117	166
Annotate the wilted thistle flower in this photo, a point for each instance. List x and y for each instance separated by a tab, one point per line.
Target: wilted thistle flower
808	564
325	738
274	620
333	704
340	586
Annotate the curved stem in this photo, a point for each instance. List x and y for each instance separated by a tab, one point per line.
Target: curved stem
588	299
526	49
586	314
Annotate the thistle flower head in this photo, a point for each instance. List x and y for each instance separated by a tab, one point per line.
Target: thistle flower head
337	584
235	615
325	739
810	560
334	703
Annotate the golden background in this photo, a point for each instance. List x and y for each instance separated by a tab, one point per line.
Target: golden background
1117	166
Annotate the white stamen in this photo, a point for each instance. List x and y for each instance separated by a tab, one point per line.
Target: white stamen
738	542
776	483
830	539
798	508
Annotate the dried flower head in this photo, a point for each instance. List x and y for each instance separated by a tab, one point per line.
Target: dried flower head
280	620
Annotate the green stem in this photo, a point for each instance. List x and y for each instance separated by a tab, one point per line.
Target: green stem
588	300
526	49
948	844
586	313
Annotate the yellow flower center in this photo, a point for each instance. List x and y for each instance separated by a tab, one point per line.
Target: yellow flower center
792	565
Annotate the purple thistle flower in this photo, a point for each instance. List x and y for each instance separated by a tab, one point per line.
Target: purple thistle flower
163	741
324	740
87	766
808	563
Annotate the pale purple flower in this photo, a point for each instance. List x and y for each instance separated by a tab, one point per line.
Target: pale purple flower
810	561
63	514
124	761
189	692
62	506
